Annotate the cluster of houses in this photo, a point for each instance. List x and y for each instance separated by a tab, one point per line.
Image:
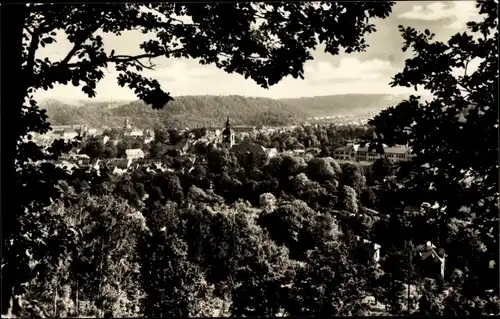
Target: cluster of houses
64	132
135	158
69	132
356	152
226	138
429	260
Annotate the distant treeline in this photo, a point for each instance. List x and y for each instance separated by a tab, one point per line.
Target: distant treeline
189	111
212	111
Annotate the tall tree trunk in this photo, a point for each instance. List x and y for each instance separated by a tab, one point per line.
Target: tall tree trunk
12	19
55	299
77	301
101	278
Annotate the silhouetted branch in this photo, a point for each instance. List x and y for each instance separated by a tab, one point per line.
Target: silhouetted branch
28	30
466	65
129	58
172	19
30	59
137	58
78	44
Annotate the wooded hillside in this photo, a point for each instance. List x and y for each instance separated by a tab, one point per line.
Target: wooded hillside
190	111
344	104
207	110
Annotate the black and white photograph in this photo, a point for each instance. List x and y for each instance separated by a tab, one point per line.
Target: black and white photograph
249	159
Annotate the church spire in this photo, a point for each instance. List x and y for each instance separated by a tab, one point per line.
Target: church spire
227	135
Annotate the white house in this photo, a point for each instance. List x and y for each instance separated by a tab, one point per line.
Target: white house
134	153
136	133
428	252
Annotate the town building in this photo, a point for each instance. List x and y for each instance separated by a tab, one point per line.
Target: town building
398	153
249	153
430	262
248	147
346	153
228	136
134	153
370	153
129	130
149	136
136	133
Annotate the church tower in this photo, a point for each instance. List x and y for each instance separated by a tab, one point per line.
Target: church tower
126	125
127	128
227	135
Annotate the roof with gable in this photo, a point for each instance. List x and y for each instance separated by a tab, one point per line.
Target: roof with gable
247	146
396	150
372	149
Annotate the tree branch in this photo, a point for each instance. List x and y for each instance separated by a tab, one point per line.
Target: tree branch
129	58
162	15
466	65
77	45
122	59
34	8
30	59
28	30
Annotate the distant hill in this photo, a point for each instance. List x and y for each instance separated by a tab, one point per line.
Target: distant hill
209	110
344	104
185	111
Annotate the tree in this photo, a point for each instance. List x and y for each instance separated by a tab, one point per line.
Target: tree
298	227
113	134
460	124
382	168
399	272
352	177
110	151
349	199
215	30
91	259
430	303
328	284
174	137
368	197
199	132
157	149
170	282
267	201
161	135
220	160
94	148
449	134
319	169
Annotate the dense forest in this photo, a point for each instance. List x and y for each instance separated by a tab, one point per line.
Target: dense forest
246	234
260	238
210	111
184	111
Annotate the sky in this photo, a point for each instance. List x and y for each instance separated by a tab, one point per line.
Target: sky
367	72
